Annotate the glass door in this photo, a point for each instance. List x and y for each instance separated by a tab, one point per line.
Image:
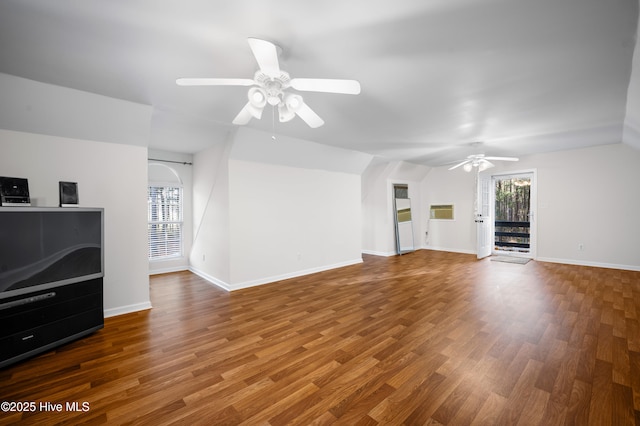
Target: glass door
513	214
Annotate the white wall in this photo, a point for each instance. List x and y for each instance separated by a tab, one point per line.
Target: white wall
112	176
209	256
590	197
179	172
443	186
288	221
265	210
377	215
585	196
378	236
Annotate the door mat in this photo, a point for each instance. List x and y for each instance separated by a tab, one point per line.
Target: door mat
511	259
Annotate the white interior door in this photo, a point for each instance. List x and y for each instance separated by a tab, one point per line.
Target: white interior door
483	216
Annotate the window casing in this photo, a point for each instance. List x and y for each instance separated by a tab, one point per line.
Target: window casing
165	221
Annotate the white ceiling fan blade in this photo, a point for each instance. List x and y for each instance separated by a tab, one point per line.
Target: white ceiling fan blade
309	116
245	114
215	82
347	87
266	55
459	164
502	158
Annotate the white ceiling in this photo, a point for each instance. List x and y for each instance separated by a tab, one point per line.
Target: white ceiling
436	75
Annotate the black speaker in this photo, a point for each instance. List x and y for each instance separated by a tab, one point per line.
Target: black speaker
68	194
14	191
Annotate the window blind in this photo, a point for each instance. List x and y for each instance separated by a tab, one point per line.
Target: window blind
165	222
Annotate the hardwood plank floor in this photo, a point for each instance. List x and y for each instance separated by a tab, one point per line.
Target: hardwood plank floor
424	338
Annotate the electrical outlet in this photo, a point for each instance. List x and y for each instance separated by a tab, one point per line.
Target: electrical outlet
203	257
581	247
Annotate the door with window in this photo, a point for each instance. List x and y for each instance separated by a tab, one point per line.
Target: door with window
514	224
483	216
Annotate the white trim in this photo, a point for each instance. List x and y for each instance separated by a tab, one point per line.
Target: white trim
379	253
506	174
533	208
287	276
127	309
588	263
452	250
524	255
272	279
168	270
211	279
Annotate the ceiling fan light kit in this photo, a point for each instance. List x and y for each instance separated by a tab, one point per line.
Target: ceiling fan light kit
256	96
269	87
288	108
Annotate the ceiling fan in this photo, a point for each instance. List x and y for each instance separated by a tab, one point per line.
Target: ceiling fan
481	162
269	85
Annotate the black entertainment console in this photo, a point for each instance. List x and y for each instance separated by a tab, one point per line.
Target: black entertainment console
37	322
51	278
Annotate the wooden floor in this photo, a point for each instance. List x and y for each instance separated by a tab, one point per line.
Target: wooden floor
424	338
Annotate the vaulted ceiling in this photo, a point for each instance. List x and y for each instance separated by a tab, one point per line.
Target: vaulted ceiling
436	76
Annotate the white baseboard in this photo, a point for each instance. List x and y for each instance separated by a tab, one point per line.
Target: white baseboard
267	280
211	279
127	309
295	274
452	250
168	270
589	263
550	259
393	253
379	253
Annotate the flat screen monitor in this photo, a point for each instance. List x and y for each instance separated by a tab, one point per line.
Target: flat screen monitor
42	248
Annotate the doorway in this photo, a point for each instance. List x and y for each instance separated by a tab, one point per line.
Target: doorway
514	227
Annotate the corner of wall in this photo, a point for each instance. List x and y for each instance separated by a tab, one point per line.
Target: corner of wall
210	247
